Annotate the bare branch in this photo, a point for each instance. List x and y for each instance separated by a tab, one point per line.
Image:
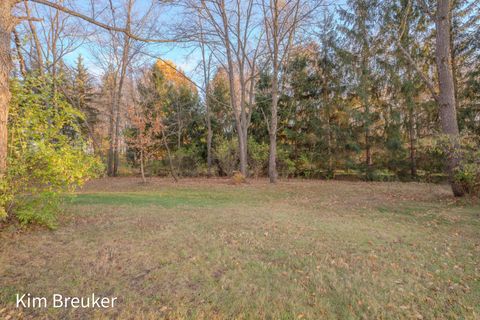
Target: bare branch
27	18
101	24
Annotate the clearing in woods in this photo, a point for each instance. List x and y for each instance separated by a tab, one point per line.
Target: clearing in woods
205	249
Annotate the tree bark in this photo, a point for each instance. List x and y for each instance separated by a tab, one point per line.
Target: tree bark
206	79
272	159
142	171
328	116
111	128
118	96
21	60
6	27
446	97
242	145
413	142
368	151
179	125
55	38
209	139
33	30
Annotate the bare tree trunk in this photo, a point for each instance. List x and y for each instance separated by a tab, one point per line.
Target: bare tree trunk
366	122
242	144
118	97
206	79
446	97
170	162
413	142
111	131
6	27
116	141
280	23
21	60
209	140
274	52
331	171
142	171
368	152
33	30
242	148
272	158
243	120
179	127
55	36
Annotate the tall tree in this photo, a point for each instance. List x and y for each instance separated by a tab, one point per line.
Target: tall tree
281	19
206	68
445	94
361	54
233	28
82	95
7	23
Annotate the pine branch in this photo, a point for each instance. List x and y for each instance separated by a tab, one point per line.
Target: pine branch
425	9
430	85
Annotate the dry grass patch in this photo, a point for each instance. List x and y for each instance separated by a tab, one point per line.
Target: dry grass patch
206	249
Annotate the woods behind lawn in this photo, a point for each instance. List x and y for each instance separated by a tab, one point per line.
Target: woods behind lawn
205	249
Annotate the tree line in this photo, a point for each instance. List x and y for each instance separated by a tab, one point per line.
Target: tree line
366	89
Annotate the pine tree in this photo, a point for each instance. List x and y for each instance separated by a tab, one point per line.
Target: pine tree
361	49
82	96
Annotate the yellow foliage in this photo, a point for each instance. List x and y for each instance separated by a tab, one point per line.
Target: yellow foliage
174	75
238	178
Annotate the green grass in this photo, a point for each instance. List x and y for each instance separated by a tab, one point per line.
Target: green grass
297	250
171	199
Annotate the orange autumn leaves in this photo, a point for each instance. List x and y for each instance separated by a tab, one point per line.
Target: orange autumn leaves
147	121
174	75
148	126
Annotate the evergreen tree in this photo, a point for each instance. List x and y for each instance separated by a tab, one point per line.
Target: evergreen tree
83	95
361	51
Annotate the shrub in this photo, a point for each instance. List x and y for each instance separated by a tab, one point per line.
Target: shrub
46	153
226	153
382	175
238	178
286	166
467	173
306	165
258	157
188	161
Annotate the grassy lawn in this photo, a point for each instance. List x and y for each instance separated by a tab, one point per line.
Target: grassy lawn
205	249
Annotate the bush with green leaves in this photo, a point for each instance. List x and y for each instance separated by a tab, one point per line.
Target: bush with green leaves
226	154
286	167
46	153
257	157
468	172
467	150
188	161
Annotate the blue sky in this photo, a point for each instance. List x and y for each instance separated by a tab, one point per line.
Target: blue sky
185	58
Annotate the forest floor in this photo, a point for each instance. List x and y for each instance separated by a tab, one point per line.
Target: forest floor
207	249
